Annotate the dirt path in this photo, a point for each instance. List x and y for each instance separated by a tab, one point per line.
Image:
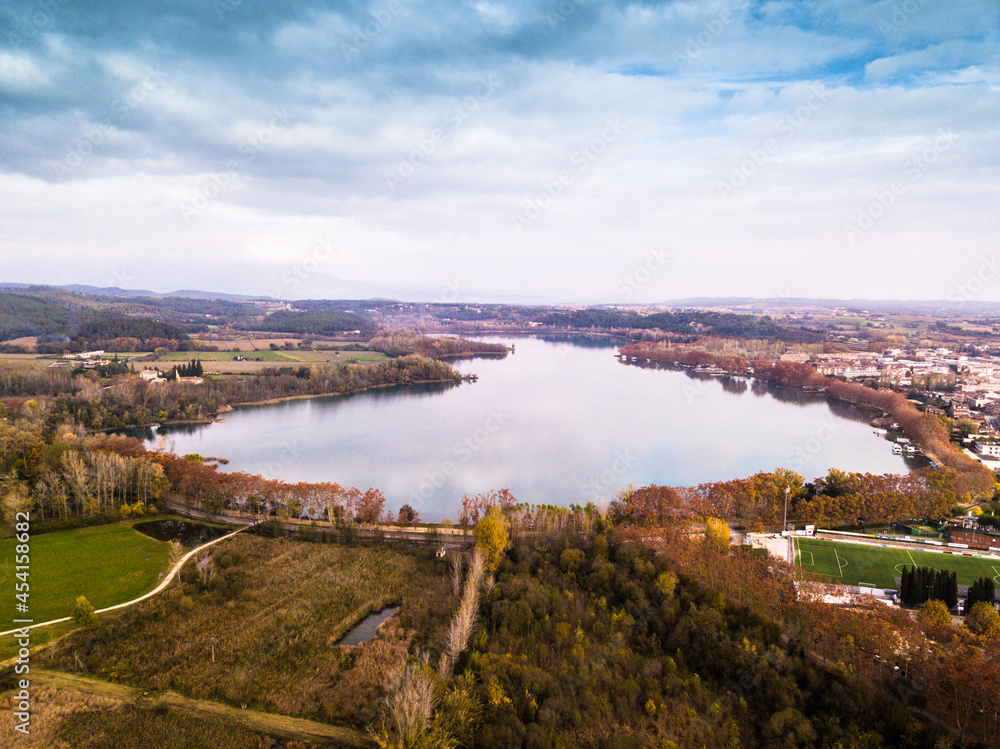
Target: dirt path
163	584
279	726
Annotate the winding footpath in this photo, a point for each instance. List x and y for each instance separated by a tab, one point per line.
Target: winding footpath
272	724
163	584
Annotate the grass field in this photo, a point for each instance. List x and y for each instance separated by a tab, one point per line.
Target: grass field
108	564
854	564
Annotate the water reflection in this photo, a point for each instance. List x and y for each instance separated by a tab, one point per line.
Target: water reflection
557	423
734	385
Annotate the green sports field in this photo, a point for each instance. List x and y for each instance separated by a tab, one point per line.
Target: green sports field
856	564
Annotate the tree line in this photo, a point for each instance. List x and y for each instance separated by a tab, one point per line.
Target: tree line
686	322
839	498
404	342
69	477
920	584
202	485
131	401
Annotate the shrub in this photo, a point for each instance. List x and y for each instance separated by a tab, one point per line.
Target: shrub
83	612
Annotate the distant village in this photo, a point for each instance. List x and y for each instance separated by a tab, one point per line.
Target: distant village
965	387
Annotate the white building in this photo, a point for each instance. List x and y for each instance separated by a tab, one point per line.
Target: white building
988	448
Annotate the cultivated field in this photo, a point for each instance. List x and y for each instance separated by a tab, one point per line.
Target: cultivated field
108	564
224	362
879	566
286	357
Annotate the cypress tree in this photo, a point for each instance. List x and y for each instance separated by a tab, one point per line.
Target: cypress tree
981	590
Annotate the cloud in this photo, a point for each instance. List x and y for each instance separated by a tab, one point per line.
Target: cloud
204	144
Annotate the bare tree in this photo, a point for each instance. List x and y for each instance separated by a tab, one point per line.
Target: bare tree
464	621
206	570
409	705
456	573
176	552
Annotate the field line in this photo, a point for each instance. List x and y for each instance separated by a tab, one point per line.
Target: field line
840	567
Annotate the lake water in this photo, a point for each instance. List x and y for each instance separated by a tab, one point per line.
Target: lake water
556	423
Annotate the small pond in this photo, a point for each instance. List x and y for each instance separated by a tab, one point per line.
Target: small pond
189	534
368	627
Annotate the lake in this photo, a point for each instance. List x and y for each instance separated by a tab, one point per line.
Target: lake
556	422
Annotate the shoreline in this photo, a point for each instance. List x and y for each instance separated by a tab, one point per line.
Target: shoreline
926	452
230	407
308	396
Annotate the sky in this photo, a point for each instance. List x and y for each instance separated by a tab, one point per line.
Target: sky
563	150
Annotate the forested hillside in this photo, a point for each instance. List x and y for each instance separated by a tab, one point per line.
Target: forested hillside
25	315
310	323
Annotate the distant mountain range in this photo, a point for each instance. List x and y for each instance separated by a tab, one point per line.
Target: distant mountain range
898	306
114	291
347	289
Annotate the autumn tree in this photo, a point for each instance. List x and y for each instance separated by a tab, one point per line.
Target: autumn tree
983	620
407	515
717	534
933	615
492	538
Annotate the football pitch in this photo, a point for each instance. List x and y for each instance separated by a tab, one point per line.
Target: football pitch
878	566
